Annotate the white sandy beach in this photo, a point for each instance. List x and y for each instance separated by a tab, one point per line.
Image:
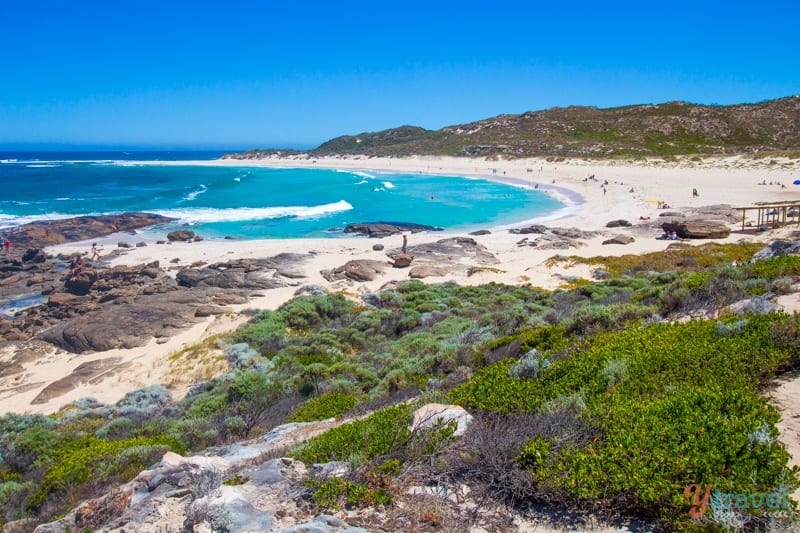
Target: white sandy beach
632	193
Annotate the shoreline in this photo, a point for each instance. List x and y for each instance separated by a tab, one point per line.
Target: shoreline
521	265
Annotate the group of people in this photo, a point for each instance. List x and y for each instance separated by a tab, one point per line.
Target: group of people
670	236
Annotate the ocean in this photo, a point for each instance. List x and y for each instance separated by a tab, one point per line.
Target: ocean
252	203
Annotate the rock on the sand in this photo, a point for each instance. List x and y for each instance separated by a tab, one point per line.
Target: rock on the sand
619	239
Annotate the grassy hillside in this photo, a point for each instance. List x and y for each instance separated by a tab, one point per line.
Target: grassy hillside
674	128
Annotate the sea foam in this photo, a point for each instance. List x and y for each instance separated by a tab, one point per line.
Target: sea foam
209	215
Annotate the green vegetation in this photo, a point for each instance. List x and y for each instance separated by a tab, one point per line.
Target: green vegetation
665	130
590	397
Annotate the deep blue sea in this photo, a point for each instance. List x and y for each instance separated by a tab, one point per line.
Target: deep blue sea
248	202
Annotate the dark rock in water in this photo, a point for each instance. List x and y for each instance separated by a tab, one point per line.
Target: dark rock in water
536	228
619	239
180	235
198	238
618	223
46	233
385	229
697	229
481	232
123	244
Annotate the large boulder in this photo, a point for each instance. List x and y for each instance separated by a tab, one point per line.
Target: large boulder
698	229
80	282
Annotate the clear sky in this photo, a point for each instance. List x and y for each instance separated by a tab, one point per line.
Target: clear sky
245	74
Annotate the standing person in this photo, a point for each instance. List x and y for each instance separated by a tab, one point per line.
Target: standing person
405	243
95	252
7	246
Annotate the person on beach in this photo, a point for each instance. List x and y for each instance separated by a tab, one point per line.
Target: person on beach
695	194
95	252
405	243
7	246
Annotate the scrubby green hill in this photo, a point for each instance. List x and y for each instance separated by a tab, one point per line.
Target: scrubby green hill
674	128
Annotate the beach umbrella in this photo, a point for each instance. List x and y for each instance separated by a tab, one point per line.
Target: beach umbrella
796	182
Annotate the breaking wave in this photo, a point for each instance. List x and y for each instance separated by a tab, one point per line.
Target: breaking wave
209	215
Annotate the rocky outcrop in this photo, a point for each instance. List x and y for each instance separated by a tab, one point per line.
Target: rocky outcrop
46	233
183	235
536	228
452	252
698	229
777	249
402	260
385	229
553	238
187	494
356	270
123	307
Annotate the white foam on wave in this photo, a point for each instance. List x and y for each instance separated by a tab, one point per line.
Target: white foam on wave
362	182
42	165
10	221
237	179
356	173
194	194
388	184
208	215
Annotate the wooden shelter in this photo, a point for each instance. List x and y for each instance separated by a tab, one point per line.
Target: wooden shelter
772	214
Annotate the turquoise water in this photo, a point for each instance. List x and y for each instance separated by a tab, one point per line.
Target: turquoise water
251	203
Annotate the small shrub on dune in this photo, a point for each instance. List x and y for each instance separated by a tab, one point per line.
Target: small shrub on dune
324	406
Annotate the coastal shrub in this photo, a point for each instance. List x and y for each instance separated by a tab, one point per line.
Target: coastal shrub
530	365
117	428
675	258
339	493
324	406
76	462
265	332
372	437
776	267
143	403
685	410
242	356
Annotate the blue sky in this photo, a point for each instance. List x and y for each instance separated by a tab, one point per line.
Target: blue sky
239	74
